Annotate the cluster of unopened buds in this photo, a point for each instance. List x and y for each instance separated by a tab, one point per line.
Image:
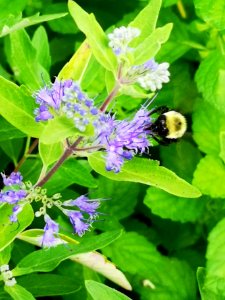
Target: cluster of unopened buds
7	275
80	211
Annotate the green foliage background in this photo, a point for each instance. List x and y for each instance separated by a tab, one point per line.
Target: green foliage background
173	241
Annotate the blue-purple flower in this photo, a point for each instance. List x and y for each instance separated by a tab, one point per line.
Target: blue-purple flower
14	178
51	230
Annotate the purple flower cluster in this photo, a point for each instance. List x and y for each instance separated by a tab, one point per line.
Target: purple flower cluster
64	97
123	139
81	219
15	195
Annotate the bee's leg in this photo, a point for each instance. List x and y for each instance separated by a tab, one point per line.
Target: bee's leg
160	109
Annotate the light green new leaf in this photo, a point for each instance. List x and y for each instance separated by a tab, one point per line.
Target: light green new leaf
58	129
19	23
99	291
46	260
23	59
77	65
175	208
17	292
152	44
146	171
9	230
41	44
209	176
146	21
50	153
212	12
215	266
5	255
95	35
17	108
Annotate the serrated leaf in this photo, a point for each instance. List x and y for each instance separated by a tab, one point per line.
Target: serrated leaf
95	35
148	172
29	21
175	208
9	230
212	12
17	108
209	176
152	44
58	129
100	291
146	20
45	284
47	260
17	292
215	266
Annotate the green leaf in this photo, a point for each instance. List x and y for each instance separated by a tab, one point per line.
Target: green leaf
148	172
23	59
207	133
58	129
212	12
205	294
155	274
50	153
13	148
18	23
17	292
175	208
100	291
95	35
209	176
222	145
72	171
146	21
212	69
40	43
46	260
75	68
8	132
41	285
215	266
151	45
17	108
8	8
9	230
5	255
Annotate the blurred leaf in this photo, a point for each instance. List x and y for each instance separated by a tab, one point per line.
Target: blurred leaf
8	132
212	12
95	35
148	172
41	45
13	148
175	208
46	260
9	230
23	59
209	176
19	23
208	122
11	8
17	292
222	145
100	291
156	274
46	284
17	108
5	256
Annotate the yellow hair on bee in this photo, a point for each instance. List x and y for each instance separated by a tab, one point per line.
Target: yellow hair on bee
176	124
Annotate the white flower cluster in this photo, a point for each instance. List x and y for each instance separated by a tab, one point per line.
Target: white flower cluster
121	37
154	78
7	275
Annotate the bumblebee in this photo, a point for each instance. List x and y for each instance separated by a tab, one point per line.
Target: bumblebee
168	127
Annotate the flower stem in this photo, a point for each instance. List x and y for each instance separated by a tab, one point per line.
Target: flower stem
64	156
110	97
181	9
